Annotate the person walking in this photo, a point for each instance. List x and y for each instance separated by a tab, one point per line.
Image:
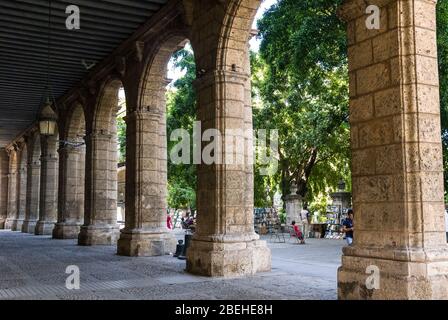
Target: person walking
446	223
304	216
348	227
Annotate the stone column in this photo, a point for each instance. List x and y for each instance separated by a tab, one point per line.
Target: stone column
48	186
100	216
145	232
294	206
32	197
12	189
3	187
71	193
225	243
21	196
397	156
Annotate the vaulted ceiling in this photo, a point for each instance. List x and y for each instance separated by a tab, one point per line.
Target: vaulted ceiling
24	48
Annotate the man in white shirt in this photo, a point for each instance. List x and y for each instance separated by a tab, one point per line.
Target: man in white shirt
304	217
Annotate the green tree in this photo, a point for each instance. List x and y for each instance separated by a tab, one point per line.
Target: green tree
181	113
442	43
121	131
301	80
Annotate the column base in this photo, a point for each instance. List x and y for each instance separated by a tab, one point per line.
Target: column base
44	228
98	235
66	230
140	243
29	226
228	259
9	223
403	275
17	225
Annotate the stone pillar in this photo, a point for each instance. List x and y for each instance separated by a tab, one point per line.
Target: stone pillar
21	192
294	206
12	189
397	155
48	186
71	193
32	197
145	232
225	243
3	187
100	216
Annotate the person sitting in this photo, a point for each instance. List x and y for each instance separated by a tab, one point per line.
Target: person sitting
297	232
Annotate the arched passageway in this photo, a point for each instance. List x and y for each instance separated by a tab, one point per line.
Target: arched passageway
395	140
49	171
100	215
33	184
21	188
72	155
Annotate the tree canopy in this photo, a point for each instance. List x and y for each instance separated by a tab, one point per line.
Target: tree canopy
300	82
442	43
181	113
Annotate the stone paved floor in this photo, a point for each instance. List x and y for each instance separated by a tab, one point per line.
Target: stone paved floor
33	267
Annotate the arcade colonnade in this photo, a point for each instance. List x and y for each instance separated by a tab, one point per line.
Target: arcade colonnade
70	191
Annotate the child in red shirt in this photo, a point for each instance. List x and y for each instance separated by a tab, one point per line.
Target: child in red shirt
169	222
298	233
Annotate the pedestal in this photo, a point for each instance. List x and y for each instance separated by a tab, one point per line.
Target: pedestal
403	275
9	223
228	259
140	243
29	226
66	230
98	235
44	228
17	225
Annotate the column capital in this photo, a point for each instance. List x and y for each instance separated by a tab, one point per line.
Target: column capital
220	76
98	136
149	113
49	158
34	165
66	150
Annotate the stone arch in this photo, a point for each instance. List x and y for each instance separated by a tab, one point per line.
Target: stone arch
104	118
152	86
49	177
100	210
225	190
235	35
76	124
72	153
12	188
146	154
21	187
33	183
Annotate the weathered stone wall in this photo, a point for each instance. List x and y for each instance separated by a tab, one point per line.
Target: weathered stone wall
397	158
48	185
4	161
12	188
33	183
71	178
